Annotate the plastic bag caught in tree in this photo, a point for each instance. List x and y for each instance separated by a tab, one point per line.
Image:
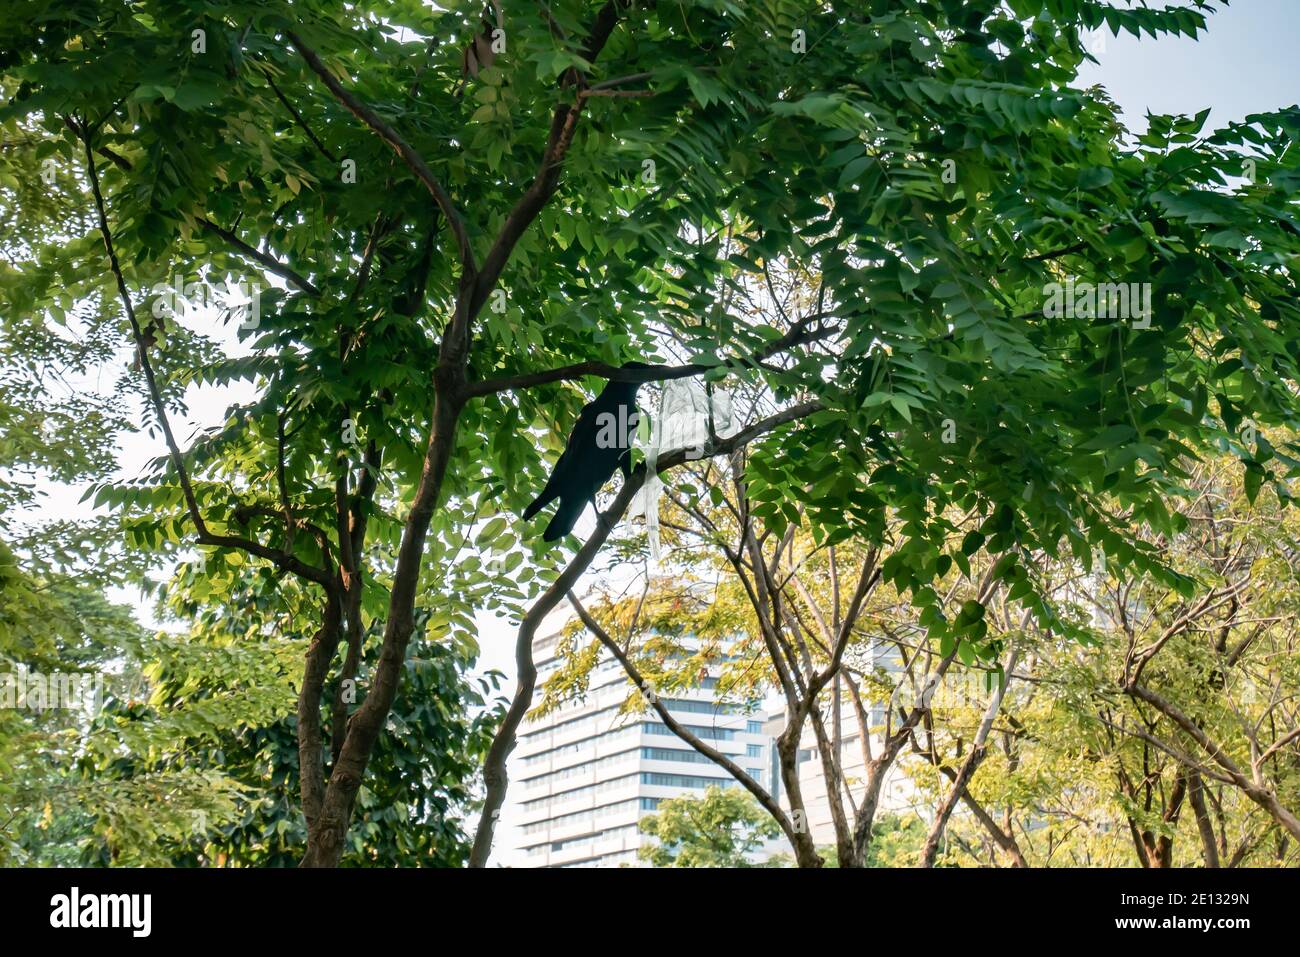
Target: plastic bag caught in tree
682	423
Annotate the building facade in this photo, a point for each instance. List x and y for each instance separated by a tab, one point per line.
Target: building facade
585	774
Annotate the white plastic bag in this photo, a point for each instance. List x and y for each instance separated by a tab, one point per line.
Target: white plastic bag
682	423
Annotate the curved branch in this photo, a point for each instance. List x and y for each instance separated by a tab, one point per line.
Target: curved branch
798	335
286	561
270	262
399	145
299	120
564	123
495	776
676	727
968	768
1253	787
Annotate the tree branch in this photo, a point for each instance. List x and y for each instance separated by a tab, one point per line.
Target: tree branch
311	759
564	123
299	120
713	754
798	335
495	775
1262	795
284	560
972	762
270	262
399	145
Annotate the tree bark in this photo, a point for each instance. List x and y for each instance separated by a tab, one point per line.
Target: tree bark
325	840
828	752
311	757
787	750
1204	826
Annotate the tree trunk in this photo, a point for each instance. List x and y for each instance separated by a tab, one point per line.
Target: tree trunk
828	753
805	848
866	818
1159	851
1204	826
325	838
311	757
879	768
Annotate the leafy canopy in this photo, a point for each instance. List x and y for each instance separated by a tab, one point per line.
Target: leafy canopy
933	164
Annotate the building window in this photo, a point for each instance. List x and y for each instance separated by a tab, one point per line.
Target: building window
683	780
754	727
547	803
674	754
701	707
700	731
602	738
585	769
589	840
578	818
753	750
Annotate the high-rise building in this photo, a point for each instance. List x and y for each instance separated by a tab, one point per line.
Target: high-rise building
585	773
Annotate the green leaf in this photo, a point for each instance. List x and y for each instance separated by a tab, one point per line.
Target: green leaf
1095	177
1111	437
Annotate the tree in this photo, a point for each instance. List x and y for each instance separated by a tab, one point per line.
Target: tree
896	841
454	248
219	702
1206	681
812	621
58	630
58	634
724	828
1167	739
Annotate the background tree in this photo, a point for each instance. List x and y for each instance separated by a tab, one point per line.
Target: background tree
57	625
55	616
723	828
756	613
218	701
1090	771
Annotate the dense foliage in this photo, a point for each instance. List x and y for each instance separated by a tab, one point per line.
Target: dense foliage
455	222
